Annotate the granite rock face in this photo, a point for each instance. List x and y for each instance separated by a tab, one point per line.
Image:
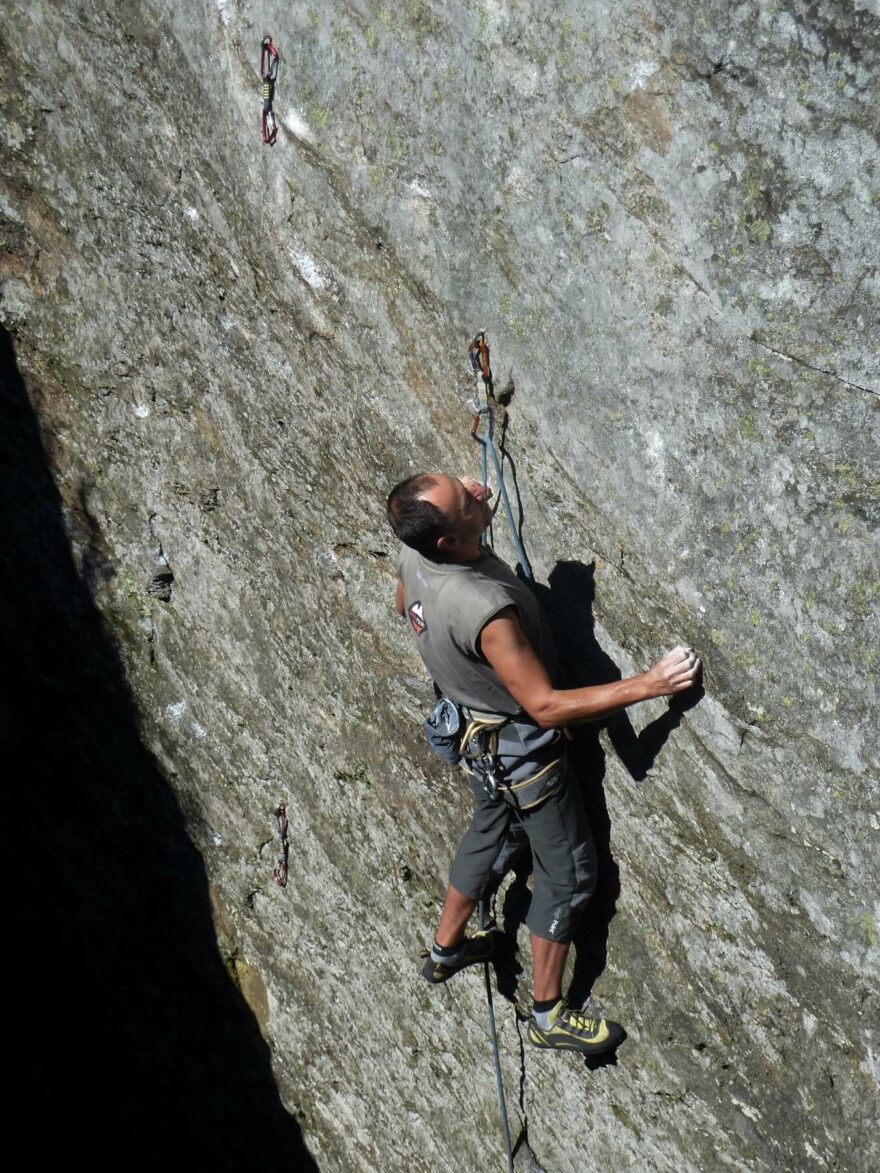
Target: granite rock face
667	217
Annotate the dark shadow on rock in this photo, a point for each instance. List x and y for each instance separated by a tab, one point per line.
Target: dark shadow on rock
510	475
606	1059
514	910
130	1047
638	752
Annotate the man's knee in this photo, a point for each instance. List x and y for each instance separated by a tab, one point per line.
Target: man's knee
585	874
559	901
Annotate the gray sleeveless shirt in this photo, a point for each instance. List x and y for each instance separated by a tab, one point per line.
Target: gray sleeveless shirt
448	604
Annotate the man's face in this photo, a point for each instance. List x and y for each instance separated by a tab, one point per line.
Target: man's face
464	501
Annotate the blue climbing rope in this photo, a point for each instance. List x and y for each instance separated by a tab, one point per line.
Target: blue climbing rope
478	352
493	1035
484	413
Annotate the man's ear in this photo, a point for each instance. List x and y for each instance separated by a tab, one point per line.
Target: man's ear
447	542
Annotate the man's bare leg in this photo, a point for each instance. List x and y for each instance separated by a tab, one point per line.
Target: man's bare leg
457	911
549	962
452	950
553	1026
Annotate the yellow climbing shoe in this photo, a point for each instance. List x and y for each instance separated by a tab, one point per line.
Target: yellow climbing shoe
574	1030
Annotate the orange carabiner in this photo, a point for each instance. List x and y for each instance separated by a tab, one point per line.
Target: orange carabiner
478	353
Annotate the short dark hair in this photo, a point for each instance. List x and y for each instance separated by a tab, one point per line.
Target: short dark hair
416	522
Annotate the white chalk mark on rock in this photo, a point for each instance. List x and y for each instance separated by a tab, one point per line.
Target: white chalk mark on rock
639	74
296	123
308	269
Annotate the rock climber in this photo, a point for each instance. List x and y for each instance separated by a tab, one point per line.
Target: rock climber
487	645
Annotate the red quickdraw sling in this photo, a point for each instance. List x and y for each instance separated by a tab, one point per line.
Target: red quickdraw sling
268	60
279	872
268	77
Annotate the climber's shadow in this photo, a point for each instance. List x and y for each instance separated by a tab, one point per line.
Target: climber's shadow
568	604
567	601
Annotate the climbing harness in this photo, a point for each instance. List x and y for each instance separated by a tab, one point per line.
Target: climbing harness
268	77
509	754
479	745
279	872
512	754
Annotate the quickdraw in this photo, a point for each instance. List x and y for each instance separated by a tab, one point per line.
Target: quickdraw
268	77
279	872
478	352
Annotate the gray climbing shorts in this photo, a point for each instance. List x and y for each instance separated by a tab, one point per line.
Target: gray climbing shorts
563	855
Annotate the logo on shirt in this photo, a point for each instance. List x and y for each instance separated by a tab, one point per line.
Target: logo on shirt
417	618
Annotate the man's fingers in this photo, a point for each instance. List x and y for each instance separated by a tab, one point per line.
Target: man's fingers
678	659
677	670
682	650
682	665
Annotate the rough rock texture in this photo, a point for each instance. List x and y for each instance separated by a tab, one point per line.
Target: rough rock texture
666	215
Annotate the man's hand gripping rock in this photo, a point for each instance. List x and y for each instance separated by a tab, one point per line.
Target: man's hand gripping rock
677	671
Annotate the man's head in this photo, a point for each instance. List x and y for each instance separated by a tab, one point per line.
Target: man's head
440	516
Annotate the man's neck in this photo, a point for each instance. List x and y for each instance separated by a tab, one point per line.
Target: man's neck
463	556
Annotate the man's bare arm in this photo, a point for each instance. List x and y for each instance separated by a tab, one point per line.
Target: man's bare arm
504	644
398	598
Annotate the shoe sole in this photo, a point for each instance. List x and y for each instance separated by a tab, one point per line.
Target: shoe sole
584	1048
436	973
